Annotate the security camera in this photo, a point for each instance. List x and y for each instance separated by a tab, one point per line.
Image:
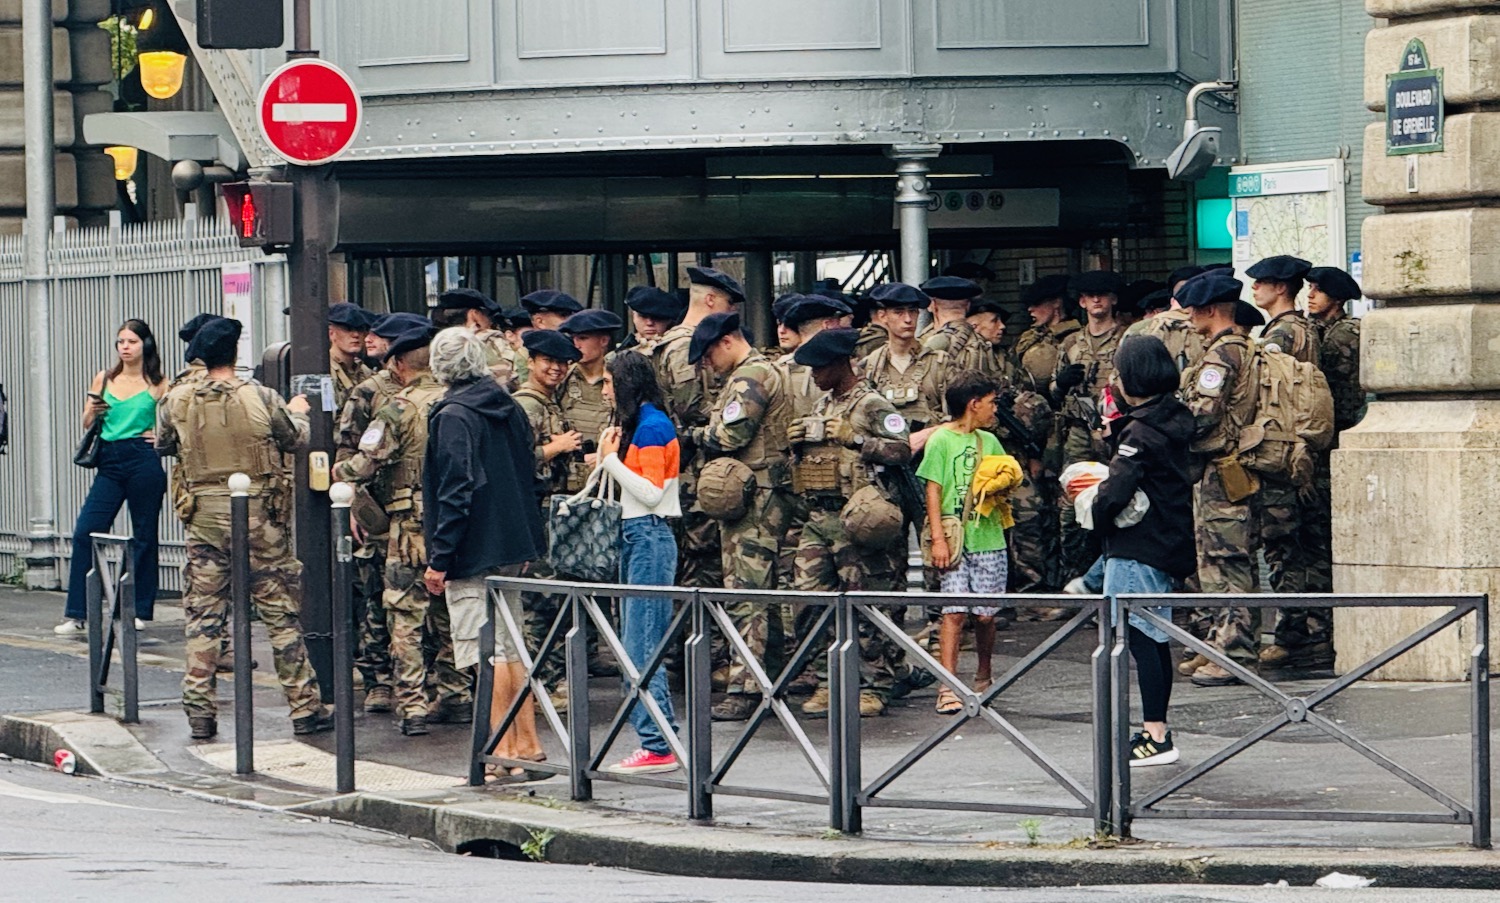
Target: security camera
1192	159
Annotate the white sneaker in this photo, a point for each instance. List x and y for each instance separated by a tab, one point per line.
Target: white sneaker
1076	587
139	624
70	627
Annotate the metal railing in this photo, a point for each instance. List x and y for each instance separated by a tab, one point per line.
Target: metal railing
111	594
1303	709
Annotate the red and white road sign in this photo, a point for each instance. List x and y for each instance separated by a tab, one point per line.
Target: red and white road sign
309	111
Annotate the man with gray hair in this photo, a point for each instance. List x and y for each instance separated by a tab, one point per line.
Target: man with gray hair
480	516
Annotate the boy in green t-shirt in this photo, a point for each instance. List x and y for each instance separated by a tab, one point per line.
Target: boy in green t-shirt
952	454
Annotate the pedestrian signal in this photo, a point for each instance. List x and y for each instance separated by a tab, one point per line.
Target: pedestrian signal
261	214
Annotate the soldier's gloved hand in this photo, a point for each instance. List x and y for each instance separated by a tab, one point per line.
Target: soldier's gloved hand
796	434
842	432
1071	376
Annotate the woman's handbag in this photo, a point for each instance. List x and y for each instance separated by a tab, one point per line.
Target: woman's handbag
584	532
953	525
87	453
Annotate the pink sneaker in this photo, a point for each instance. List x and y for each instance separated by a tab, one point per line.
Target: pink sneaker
644	762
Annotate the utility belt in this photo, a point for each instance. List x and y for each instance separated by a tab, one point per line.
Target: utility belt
817	468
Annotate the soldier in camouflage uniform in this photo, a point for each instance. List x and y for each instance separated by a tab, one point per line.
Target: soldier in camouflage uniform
1038	348
1174	327
551	353
905	372
217	426
478	312
875	333
951	331
1221	394
690	393
373	655
749	423
1085	365
549	308
390	452
652	313
347	325
851	435
581	395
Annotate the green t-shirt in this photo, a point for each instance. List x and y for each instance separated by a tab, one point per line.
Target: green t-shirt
949	461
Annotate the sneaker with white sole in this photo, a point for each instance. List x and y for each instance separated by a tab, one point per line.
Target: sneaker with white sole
644	761
70	627
1076	587
1145	751
139	624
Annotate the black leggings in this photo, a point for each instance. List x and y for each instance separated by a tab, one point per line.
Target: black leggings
1153	667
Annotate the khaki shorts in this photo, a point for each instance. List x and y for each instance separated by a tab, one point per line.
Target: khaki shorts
467	612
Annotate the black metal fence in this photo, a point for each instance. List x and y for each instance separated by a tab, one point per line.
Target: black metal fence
111	620
1105	795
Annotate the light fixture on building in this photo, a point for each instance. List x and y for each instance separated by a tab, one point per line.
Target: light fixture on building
161	72
125	159
161	51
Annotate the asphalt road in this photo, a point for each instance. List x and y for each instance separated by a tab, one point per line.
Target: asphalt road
73	838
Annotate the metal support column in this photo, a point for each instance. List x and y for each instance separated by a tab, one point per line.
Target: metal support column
759	288
614	283
805	270
913	162
41	503
672	275
340	496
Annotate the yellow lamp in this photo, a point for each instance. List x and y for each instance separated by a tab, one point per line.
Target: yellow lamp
161	72
125	161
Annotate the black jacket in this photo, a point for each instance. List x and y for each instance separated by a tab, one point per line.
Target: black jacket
1151	454
478	483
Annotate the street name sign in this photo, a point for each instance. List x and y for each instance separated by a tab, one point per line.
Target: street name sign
1414	105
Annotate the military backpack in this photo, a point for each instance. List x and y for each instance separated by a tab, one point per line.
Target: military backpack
1293	417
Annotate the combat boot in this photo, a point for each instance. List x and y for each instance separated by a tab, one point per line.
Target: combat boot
203	727
559	697
1189	666
313	724
1274	657
736	707
870	704
378	700
914	679
452	713
817	705
414	726
805	684
1211	675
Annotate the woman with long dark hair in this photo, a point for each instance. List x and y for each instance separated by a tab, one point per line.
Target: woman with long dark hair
647	474
130	473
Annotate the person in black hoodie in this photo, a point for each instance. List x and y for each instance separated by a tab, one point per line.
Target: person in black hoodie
1151	441
481	518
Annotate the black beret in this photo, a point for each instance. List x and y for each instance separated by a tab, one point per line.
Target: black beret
1210	288
1248	315
216	341
391	326
1098	282
711	329
549	299
1157	300
986	306
1045	289
781	305
1281	268
591	321
349	316
1335	283
824	291
826	347
1226	268
191	327
968	269
551	343
1182	274
1131	295
952	288
898	294
515	317
653	302
467	299
716	279
411	339
813	307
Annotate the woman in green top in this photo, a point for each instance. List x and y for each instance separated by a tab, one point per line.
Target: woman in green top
130	473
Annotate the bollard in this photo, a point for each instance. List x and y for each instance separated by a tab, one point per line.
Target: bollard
129	647
95	615
340	496
239	600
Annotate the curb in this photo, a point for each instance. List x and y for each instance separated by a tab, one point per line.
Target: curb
477	822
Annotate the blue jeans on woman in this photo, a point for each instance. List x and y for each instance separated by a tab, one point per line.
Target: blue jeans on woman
129	473
649	558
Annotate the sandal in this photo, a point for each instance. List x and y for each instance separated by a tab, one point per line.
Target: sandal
948	702
981	684
498	774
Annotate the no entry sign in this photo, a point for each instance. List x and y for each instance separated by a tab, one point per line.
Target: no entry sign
309	111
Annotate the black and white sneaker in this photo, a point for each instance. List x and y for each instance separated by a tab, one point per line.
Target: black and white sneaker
1146	751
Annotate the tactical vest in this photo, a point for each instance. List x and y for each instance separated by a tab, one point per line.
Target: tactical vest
345	379
1226	434
584	406
499	355
554	472
768	452
1175	330
406	471
904	390
829	468
804	391
224	428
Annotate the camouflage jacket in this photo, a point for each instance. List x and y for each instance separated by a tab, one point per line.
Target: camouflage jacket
500	356
750	420
583	404
1037	350
1339	358
1097	355
917	392
1293	333
254	431
965	349
690	392
871	337
547	420
345	378
1175	329
862	431
1220	393
355	416
804	392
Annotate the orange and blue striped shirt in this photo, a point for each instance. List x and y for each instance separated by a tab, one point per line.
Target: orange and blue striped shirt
648	473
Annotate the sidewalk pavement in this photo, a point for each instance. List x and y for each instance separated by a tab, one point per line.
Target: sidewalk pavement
414	786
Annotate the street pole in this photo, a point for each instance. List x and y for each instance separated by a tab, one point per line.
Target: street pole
913	163
36	51
307	276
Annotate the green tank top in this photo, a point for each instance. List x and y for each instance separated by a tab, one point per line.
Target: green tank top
128	418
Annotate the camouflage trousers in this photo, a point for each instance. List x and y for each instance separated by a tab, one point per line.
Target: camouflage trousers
827	561
540	610
1290	539
274	587
752	558
699	562
373	654
408	605
1225	532
1034	546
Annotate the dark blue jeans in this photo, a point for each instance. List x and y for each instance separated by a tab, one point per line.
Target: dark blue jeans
648	558
130	473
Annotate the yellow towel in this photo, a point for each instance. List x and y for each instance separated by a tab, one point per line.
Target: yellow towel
994	478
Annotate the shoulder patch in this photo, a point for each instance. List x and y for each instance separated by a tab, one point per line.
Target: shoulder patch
1127	450
372	436
1210	379
733	412
1273	347
894	423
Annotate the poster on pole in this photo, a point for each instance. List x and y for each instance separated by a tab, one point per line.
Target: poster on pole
238	281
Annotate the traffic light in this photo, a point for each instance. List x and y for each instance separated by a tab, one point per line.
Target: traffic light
240	24
261	214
